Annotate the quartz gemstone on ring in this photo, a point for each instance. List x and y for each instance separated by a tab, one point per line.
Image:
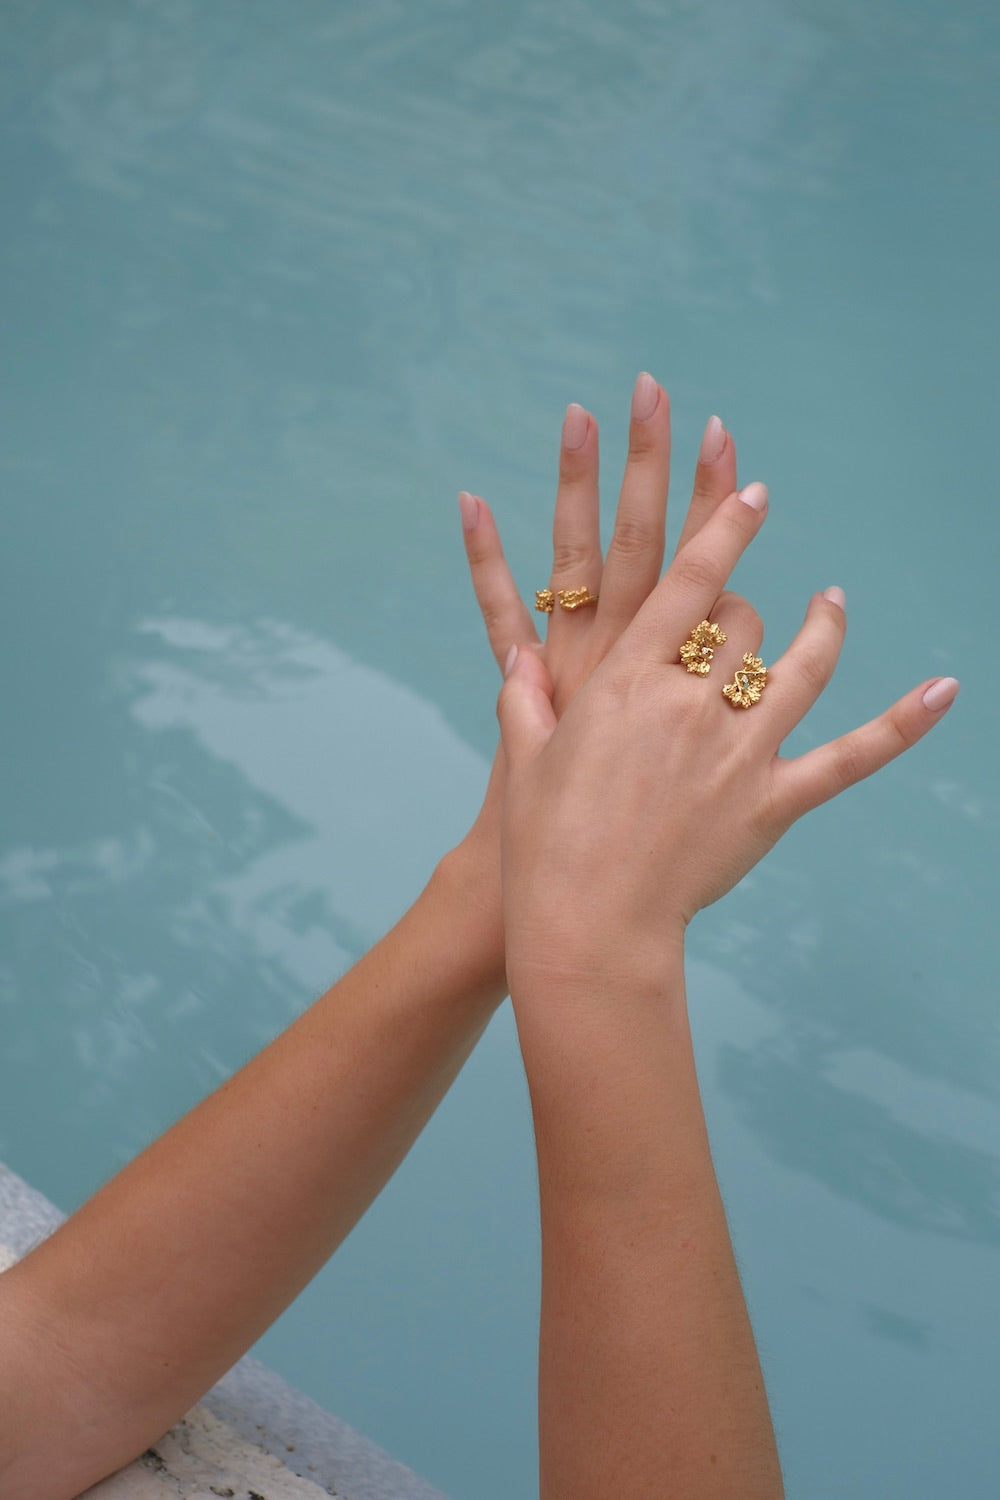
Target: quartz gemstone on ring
748	684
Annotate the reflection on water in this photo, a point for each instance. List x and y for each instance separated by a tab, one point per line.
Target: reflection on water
276	286
295	717
252	866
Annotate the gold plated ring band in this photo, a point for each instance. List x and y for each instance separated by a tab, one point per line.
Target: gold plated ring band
576	598
569	599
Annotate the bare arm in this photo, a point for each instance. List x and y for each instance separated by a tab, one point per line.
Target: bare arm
131	1310
649	1382
651	797
115	1325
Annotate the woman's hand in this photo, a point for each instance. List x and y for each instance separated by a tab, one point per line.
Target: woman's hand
576	642
649	798
655	795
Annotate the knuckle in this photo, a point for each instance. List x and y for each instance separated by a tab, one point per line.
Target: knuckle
849	766
696	570
635	537
493	615
739	521
575	465
569	557
643	441
901	731
813	668
709	488
478	550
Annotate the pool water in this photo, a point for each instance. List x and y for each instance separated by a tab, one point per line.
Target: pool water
276	283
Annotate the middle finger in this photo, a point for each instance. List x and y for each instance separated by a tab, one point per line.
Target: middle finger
635	554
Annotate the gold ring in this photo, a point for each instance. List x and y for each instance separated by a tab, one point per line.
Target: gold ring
748	684
576	598
545	601
699	648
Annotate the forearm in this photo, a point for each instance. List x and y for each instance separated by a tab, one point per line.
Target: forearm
132	1309
649	1382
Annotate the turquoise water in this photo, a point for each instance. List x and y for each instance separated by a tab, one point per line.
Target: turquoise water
276	283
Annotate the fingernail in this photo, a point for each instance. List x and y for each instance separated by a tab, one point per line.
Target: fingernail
941	694
469	506
836	595
644	397
713	441
755	495
511	659
575	426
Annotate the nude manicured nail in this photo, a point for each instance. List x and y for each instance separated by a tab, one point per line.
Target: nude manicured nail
713	441
644	397
575	425
511	659
755	495
469	506
836	595
941	694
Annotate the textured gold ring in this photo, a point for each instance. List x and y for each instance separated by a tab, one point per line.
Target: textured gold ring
545	599
748	684
576	598
699	648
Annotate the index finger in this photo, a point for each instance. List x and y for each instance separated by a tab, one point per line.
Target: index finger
697	576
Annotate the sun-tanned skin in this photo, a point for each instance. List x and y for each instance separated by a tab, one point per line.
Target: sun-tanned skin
649	1376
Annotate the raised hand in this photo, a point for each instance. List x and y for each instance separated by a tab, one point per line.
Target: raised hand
656	794
576	641
648	798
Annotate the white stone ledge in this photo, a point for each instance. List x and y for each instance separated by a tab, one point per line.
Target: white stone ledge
252	1437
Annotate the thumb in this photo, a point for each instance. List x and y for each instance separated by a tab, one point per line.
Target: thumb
524	707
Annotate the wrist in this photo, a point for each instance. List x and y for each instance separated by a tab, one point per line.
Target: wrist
465	889
574	1008
611	1075
593	963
